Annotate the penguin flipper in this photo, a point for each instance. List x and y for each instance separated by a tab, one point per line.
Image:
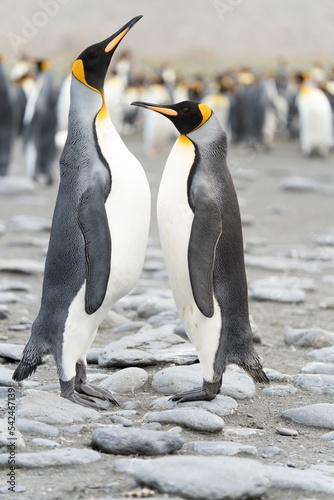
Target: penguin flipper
205	232
93	222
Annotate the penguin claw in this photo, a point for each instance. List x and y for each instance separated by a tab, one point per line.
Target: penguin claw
83	400
195	395
97	392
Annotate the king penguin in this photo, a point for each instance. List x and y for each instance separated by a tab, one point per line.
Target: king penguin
6	122
201	237
99	232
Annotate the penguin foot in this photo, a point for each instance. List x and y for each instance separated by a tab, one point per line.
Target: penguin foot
207	392
83	387
67	392
97	392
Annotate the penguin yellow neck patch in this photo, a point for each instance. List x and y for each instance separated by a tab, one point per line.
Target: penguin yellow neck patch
78	71
206	112
184	140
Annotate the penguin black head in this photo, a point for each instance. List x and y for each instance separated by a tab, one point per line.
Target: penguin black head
186	115
91	66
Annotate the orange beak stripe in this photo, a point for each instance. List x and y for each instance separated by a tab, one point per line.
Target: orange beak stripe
164	111
111	45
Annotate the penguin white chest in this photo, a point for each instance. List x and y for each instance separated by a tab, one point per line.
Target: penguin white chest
175	219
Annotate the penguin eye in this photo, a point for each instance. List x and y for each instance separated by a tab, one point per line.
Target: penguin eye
94	54
185	109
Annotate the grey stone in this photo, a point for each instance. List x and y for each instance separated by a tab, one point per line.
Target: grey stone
285	431
315	415
275	376
217	478
24	266
29	242
14	285
221	405
127	328
270	451
11	185
6	377
321	384
152	426
227	448
154	305
328	303
53	409
279	390
128	441
323	239
118	419
200	478
6	436
242	431
317	367
11	351
4	314
148	347
93	355
329	436
47	443
299	184
54	458
309	337
28	223
302	283
8	298
326	354
74	429
126	380
163	318
37	428
237	384
283	264
293	295
196	419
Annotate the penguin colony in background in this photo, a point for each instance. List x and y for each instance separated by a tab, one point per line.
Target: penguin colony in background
201	237
99	232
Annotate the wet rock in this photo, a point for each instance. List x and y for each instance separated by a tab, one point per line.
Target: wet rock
53	409
28	223
24	266
237	384
275	376
36	428
321	384
163	318
196	419
126	380
285	431
279	390
315	415
309	337
7	435
131	327
221	405
326	354
12	352
54	458
117	419
93	355
317	367
299	184
148	347
6	377
129	441
227	448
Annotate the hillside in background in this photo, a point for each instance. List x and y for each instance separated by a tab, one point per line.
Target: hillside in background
190	33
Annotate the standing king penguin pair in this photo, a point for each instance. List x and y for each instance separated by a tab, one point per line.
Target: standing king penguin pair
100	230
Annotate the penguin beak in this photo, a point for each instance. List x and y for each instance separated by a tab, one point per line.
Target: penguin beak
115	39
164	110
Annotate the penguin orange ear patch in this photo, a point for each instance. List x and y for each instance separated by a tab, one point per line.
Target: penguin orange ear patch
79	71
206	112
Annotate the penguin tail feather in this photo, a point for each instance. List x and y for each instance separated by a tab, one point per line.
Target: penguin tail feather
31	359
256	372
